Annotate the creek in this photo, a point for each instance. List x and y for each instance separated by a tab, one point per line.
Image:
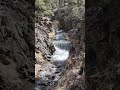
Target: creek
53	70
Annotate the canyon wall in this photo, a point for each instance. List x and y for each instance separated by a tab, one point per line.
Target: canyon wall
17	45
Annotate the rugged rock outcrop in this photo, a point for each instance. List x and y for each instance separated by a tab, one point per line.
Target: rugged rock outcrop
102	44
43	35
16	45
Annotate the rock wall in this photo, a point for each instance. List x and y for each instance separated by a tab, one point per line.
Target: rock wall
102	44
16	45
43	43
43	36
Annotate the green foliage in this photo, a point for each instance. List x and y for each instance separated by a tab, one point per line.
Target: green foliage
44	7
71	13
76	9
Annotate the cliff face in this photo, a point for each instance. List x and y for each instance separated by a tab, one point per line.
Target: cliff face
16	45
102	44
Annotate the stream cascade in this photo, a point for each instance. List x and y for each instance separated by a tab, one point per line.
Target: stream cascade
53	70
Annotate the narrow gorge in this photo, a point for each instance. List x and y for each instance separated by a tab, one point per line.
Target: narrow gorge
60	49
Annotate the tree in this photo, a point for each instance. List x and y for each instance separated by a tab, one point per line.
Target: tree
45	7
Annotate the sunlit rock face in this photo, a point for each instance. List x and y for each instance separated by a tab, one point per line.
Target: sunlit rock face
43	35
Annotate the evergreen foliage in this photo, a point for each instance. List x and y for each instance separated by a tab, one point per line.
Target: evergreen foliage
47	7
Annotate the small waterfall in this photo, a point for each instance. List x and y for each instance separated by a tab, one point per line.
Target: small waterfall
61	50
61	47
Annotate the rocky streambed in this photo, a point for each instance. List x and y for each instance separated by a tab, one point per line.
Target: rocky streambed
53	69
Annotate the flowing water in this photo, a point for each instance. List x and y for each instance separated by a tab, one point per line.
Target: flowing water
52	71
